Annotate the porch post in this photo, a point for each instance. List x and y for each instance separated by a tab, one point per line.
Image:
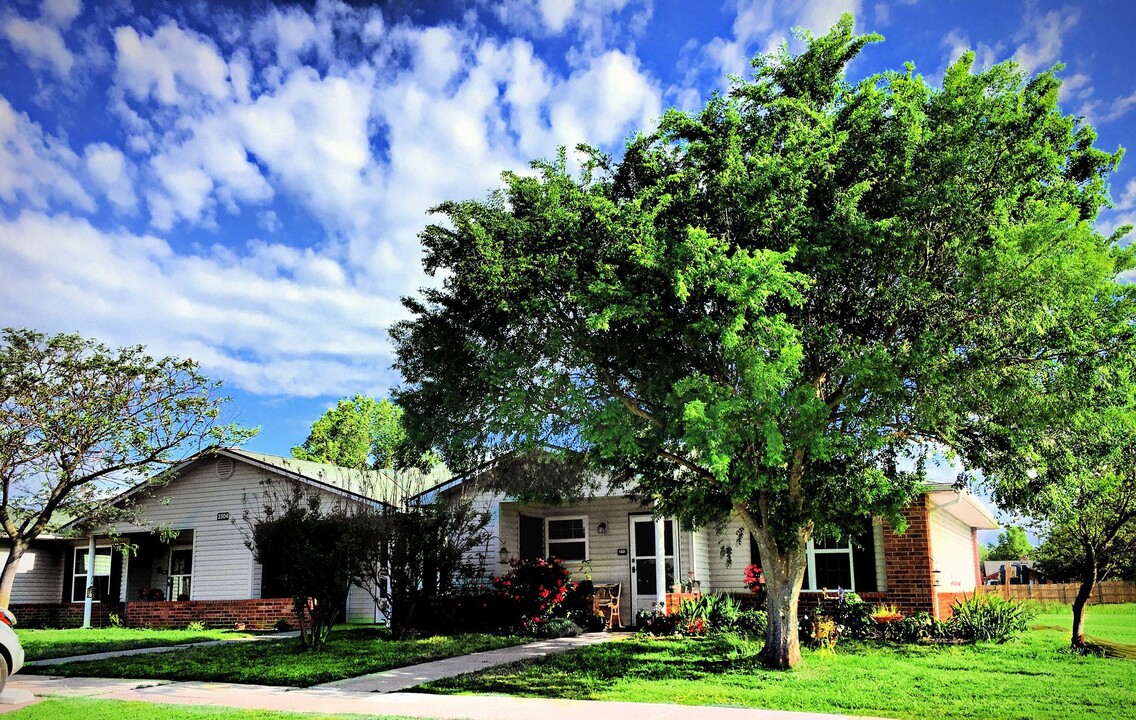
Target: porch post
661	563
89	600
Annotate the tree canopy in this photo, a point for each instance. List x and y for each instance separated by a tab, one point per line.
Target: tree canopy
361	433
1013	544
80	421
779	305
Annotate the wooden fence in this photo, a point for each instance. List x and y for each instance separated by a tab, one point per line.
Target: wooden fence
1105	593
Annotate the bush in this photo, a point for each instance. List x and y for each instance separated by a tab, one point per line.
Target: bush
989	618
753	622
538	591
195	626
557	628
856	617
708	613
652	623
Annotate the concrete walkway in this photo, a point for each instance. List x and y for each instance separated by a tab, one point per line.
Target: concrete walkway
404	678
331	701
48	662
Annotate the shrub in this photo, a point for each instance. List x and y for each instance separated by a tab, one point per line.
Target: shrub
195	626
557	627
753	622
855	615
542	590
708	613
653	623
989	618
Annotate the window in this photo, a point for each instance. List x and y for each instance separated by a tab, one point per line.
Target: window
102	574
829	565
567	538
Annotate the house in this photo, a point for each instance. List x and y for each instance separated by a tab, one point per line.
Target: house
612	538
198	568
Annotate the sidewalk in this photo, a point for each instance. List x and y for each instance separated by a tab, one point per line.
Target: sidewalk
404	678
331	701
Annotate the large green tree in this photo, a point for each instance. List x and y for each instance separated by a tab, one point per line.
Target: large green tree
777	306
80	421
361	433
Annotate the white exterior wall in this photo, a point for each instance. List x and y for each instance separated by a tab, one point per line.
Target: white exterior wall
952	549
39	578
727	575
223	568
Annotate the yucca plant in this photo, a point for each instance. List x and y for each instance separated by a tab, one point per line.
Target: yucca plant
989	618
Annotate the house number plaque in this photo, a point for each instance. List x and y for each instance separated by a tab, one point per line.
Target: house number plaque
621	551
223	516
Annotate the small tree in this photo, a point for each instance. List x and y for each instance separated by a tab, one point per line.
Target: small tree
80	421
419	555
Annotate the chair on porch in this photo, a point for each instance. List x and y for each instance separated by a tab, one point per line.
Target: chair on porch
607	602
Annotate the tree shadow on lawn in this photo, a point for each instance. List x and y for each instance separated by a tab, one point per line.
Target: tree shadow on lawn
584	672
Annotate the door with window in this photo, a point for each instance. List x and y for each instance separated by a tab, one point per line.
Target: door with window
181	572
643	560
101	579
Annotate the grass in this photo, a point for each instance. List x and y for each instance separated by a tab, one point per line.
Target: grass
351	651
55	708
1032	678
43	644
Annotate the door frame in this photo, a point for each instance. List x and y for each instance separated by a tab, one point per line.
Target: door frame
647	602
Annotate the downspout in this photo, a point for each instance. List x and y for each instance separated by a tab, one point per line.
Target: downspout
661	565
88	601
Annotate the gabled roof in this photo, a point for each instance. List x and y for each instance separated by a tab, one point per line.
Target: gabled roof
387	487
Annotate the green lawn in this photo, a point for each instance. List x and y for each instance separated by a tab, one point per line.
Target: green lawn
56	708
350	652
42	644
1030	679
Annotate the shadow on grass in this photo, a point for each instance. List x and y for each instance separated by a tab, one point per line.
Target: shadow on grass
584	672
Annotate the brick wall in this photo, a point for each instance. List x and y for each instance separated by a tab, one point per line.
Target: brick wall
909	564
259	614
63	615
977	557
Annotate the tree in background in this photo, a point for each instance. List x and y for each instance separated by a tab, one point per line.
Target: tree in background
1012	545
1079	481
777	306
80	421
360	433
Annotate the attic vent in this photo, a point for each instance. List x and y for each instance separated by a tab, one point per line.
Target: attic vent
224	468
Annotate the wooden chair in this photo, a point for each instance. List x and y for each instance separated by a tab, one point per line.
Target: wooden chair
613	604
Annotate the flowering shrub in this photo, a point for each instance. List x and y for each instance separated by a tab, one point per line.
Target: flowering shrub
754	578
538	588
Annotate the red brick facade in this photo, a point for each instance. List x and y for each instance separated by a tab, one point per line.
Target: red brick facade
63	615
909	564
253	614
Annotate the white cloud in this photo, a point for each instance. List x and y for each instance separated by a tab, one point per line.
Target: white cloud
1042	36
956	43
597	25
60	13
40	44
36	169
109	170
170	65
272	320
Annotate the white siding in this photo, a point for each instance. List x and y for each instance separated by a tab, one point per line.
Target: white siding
223	567
953	551
39	578
727	572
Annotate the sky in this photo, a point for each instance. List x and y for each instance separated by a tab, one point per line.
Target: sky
243	183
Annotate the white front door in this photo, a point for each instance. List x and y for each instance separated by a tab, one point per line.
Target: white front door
643	561
181	572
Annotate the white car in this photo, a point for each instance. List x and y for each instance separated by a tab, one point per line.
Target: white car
10	647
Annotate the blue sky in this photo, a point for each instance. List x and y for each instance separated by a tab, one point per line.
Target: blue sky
243	183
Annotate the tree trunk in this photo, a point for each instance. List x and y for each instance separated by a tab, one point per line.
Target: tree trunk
1084	592
8	576
784	571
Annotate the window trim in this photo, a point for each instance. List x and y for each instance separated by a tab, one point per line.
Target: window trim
587	537
75	567
811	551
